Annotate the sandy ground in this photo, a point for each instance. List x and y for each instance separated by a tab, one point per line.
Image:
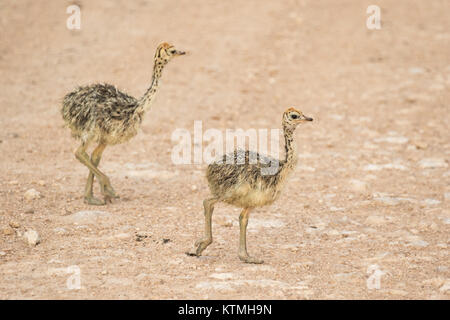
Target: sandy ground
369	200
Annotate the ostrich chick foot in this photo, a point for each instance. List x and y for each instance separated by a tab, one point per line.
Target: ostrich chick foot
248	259
201	245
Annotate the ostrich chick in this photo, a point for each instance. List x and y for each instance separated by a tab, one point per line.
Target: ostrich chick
102	114
244	179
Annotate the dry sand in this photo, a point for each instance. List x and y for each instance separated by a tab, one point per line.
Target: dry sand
371	191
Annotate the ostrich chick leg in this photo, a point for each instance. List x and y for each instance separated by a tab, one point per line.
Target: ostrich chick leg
88	194
243	255
105	185
203	243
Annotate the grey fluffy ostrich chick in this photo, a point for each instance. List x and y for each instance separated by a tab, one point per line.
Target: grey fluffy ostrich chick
244	183
101	114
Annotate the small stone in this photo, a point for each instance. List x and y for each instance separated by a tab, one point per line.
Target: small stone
431	163
14	182
104	272
8	231
2	253
14	224
420	145
41	182
32	194
32	237
29	210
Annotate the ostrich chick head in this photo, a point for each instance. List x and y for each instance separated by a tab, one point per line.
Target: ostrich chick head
293	117
165	52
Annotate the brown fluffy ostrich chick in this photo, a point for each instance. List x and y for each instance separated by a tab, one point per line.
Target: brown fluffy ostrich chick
102	114
246	183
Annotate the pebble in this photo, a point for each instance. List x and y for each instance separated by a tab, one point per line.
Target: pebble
2	253
420	145
14	224
431	163
29	210
32	237
32	194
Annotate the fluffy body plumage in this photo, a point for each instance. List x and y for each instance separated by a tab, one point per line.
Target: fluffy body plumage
241	182
248	180
101	113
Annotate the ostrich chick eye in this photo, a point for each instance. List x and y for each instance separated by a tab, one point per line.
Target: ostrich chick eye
294	116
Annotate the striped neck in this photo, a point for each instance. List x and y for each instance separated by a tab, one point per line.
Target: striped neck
290	146
147	99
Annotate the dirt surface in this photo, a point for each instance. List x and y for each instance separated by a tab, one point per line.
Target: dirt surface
370	198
